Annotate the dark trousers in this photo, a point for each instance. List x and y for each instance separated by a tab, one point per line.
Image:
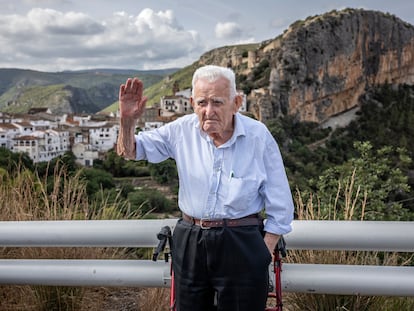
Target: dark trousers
229	263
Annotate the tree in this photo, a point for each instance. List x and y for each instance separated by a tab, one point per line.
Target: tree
10	161
149	200
366	186
96	180
164	172
114	163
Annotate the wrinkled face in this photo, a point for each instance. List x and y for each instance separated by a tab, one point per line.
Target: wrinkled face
214	108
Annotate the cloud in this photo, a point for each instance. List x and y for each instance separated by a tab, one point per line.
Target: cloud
45	2
51	22
47	39
228	30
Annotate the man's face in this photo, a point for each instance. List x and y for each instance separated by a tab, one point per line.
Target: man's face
215	110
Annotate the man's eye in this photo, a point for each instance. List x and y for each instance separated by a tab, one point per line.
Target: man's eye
217	102
202	103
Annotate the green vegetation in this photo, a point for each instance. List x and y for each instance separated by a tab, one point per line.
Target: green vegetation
148	201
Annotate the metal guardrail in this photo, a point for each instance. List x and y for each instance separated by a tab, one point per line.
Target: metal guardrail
306	278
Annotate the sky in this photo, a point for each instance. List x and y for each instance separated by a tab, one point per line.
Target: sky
57	35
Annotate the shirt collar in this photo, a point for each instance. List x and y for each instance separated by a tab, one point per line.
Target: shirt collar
238	131
238	127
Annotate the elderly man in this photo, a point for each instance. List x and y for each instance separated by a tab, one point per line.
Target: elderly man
230	170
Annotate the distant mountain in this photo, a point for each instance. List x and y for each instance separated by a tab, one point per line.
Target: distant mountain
86	91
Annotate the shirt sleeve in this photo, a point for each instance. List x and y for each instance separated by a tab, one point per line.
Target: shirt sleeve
154	145
279	205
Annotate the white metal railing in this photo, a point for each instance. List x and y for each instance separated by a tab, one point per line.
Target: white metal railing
307	278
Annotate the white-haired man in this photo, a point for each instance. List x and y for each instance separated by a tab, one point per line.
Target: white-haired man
230	169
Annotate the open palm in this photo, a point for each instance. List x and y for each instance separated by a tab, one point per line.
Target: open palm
131	100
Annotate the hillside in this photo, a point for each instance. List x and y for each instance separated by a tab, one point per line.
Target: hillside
86	91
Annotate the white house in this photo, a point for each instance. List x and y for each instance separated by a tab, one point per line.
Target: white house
103	138
41	124
84	154
25	127
43	145
8	132
172	105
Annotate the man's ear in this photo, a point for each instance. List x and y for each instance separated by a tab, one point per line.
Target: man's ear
238	100
192	102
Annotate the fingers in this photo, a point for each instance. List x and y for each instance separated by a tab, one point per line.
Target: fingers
136	86
133	86
128	85
121	91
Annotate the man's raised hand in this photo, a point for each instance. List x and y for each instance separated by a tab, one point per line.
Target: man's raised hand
131	100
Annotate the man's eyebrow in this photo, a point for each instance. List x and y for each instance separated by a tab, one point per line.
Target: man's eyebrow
209	98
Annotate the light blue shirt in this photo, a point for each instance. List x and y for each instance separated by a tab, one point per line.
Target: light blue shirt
241	177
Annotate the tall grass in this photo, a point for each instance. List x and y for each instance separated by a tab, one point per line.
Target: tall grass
26	196
309	207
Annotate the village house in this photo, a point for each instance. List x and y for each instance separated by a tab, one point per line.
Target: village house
102	138
42	145
85	154
175	105
8	131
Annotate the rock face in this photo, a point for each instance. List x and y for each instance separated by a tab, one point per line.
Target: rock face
319	67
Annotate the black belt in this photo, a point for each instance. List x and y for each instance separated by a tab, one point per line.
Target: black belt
205	223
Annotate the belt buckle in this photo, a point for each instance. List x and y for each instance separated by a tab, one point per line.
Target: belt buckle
202	223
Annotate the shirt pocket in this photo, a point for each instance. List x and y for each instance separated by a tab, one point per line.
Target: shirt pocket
241	192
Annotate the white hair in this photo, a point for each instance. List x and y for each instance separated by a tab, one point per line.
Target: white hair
212	73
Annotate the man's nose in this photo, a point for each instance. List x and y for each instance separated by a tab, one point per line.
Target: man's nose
209	109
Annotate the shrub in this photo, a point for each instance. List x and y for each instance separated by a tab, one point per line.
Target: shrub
149	200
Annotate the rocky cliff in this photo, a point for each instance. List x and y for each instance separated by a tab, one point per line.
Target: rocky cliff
319	67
